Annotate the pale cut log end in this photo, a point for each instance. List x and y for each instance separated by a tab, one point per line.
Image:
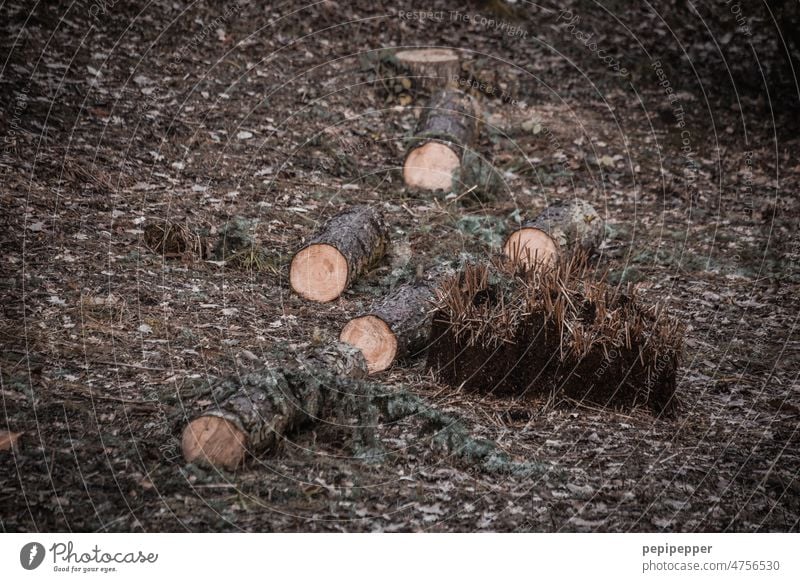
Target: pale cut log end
214	441
432	55
431	167
319	273
430	68
531	246
373	337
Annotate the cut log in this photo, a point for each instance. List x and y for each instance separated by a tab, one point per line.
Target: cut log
257	410
347	246
397	326
447	128
429	69
562	227
215	440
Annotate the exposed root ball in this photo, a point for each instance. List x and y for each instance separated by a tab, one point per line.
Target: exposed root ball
553	332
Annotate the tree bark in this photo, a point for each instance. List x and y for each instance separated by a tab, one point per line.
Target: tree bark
447	128
397	326
562	227
347	246
477	179
259	409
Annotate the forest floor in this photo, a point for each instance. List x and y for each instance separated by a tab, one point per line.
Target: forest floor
115	117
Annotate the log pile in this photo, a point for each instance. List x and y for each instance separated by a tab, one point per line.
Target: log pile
555	332
534	322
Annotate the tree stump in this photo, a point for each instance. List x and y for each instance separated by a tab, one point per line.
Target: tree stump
429	69
562	227
346	247
447	128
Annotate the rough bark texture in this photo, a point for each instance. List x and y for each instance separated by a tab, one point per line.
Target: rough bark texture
407	312
572	224
328	383
359	234
268	404
441	156
478	178
450	117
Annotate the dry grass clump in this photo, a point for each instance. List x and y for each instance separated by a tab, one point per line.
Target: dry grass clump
556	332
174	240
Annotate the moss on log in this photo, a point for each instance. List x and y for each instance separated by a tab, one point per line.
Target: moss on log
255	411
562	227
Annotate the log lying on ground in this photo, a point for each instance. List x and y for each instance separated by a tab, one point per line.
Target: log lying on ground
397	326
429	69
447	128
347	246
555	333
259	409
256	411
562	227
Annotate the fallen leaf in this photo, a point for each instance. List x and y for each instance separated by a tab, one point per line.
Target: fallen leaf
606	161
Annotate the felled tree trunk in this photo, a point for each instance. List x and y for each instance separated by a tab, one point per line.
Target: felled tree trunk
427	70
346	247
256	411
447	128
562	227
397	326
259	409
